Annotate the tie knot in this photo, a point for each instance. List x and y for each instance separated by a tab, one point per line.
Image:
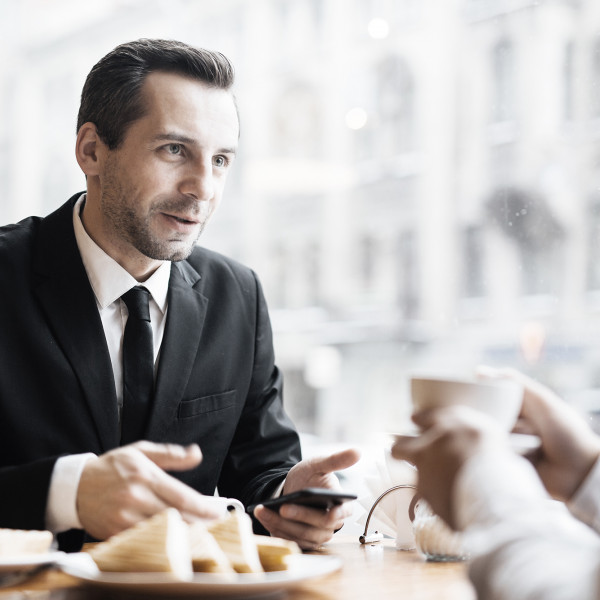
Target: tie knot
137	301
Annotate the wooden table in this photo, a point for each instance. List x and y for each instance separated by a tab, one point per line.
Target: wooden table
371	572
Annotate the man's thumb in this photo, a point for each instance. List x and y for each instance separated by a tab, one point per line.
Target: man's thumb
336	462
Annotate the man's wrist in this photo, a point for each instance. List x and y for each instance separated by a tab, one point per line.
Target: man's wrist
584	503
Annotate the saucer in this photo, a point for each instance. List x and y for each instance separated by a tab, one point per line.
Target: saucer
522	443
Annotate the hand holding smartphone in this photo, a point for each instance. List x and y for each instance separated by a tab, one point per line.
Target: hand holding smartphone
321	498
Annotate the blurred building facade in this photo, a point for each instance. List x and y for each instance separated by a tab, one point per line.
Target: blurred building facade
417	183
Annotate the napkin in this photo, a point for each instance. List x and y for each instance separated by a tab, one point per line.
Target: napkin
390	517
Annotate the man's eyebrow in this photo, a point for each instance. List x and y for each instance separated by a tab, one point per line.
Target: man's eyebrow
184	139
175	137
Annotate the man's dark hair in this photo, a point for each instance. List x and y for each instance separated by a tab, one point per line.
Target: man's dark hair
112	98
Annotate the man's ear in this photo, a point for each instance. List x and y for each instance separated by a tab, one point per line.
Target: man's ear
89	149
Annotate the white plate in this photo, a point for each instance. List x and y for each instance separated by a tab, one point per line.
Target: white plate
519	442
302	568
25	562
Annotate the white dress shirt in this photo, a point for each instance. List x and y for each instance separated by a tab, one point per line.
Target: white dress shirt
109	282
524	544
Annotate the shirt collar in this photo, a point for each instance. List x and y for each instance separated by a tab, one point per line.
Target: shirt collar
109	279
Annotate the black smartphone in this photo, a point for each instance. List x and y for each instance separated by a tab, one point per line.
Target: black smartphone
314	497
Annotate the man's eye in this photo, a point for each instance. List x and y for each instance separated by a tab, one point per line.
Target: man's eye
174	148
220	161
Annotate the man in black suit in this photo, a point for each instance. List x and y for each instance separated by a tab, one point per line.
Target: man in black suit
157	134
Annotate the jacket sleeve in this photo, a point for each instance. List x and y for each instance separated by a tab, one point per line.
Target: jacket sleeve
266	444
23	494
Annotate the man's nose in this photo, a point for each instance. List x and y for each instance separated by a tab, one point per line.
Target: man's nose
198	182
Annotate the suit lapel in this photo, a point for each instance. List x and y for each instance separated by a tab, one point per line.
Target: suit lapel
185	319
65	294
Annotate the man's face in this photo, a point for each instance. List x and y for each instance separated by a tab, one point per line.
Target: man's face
160	187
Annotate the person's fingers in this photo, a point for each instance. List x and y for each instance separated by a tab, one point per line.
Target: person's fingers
306	536
427	418
524	426
171	457
113	494
432	422
405	448
436	421
321	519
335	462
138	504
179	495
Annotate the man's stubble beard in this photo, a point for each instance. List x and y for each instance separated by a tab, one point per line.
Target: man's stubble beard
128	226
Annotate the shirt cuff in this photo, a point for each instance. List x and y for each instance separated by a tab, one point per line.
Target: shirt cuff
277	492
61	508
585	504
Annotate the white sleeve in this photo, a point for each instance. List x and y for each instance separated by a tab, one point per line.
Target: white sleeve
585	504
278	490
61	507
523	544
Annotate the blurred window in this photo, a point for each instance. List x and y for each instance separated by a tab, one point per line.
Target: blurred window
473	262
368	256
408	274
297	123
415	179
593	246
281	275
595	78
568	81
395	106
313	272
504	74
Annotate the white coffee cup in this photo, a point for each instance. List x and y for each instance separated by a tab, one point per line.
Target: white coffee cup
499	398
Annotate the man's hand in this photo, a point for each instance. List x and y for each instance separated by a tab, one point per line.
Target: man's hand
310	527
129	484
450	437
569	447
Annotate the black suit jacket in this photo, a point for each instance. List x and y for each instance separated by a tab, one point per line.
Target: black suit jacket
217	384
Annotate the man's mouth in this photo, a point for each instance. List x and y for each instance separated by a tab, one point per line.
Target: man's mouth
183	220
182	225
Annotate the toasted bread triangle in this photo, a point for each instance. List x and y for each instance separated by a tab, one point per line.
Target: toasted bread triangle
207	555
274	552
235	537
158	544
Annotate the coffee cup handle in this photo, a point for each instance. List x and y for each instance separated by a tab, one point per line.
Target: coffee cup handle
412	506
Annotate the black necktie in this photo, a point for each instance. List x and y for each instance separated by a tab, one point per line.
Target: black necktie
138	366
